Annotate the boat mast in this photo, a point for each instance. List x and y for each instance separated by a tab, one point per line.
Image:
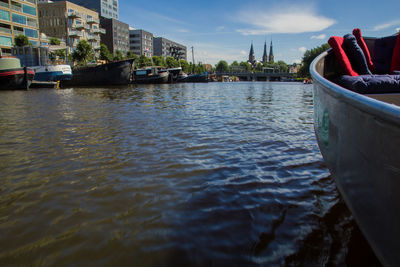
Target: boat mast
194	68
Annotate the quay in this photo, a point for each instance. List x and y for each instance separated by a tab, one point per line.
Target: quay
258	76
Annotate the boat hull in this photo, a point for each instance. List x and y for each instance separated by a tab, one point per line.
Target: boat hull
156	79
115	73
53	73
359	138
15	79
195	78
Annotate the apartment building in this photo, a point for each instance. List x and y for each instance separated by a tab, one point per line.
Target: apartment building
18	17
71	22
117	37
141	42
105	8
164	47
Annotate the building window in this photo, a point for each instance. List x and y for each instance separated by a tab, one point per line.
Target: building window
31	33
29	10
4	15
6	41
19	19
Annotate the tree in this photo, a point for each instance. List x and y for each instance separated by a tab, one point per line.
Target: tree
185	66
130	54
159	61
118	55
245	65
105	53
83	52
143	61
308	57
222	66
282	66
21	40
54	41
172	62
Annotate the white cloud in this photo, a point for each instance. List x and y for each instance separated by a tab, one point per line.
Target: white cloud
319	37
220	28
283	20
386	25
302	49
242	52
297	61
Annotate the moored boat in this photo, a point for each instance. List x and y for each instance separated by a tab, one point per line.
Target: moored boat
52	73
12	75
150	75
359	138
194	78
114	73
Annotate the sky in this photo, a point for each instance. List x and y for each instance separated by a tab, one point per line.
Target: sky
224	30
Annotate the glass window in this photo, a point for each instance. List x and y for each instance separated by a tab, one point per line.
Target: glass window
29	10
19	18
31	33
4	15
34	43
6	41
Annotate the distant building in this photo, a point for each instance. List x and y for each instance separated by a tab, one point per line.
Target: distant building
141	42
271	54
18	17
66	20
164	47
265	56
105	8
117	35
294	68
252	58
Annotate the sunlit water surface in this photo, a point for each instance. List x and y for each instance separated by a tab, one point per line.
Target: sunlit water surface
218	174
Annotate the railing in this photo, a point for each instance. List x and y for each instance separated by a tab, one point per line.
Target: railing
3	4
5	30
93	38
93	21
75	34
74	14
16	8
99	30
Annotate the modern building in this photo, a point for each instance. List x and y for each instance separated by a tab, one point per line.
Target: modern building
105	8
117	37
71	22
164	47
18	17
141	42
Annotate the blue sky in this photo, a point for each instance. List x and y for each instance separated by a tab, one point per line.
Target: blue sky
224	30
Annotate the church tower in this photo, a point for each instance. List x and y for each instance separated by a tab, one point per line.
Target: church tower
265	56
271	54
252	58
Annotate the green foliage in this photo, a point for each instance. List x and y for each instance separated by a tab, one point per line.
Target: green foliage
199	68
143	61
308	57
159	61
282	66
245	65
118	55
172	62
222	66
83	52
130	54
105	53
21	40
185	66
54	41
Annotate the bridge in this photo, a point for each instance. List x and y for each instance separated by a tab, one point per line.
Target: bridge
259	76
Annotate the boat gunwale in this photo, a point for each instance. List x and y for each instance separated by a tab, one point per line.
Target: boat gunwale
367	104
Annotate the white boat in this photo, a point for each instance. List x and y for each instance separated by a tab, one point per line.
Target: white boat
359	138
52	73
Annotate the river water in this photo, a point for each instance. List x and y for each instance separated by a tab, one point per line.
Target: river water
218	174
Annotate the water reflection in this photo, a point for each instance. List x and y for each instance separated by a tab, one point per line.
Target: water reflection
187	174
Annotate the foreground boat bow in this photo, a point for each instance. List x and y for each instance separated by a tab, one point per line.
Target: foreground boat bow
359	138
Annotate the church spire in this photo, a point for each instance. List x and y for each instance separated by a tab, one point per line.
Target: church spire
271	54
265	56
251	54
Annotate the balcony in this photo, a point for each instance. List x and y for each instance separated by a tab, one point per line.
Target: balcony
81	27
99	31
5	30
4	4
74	34
92	21
74	15
96	47
93	38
